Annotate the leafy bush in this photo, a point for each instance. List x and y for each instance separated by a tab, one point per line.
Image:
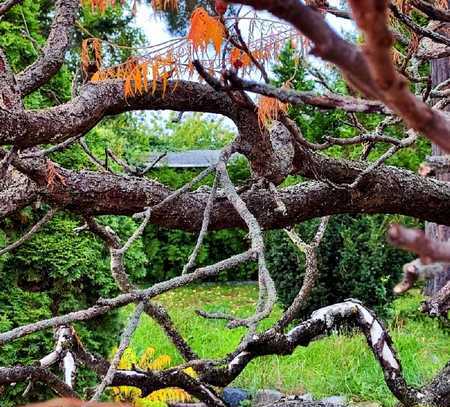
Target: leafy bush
57	271
354	262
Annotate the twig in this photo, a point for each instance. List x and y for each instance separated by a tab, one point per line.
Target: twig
204	229
411	139
311	272
46	218
151	165
92	157
57	147
124	342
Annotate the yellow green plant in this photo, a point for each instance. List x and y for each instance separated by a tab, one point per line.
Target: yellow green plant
148	361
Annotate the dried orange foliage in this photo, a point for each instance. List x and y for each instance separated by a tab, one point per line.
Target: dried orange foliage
53	176
443	4
239	59
403	5
100	5
160	5
205	30
135	73
269	109
173	59
91	53
74	403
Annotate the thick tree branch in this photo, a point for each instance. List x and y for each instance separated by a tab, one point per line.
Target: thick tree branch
6	5
53	54
433	12
383	191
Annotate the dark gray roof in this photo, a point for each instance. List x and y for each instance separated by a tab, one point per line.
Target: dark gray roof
188	159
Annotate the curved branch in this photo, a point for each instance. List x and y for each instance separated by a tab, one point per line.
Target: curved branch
98	100
53	54
7	5
433	12
16	374
327	101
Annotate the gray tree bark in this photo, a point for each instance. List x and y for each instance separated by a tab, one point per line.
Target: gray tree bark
440	72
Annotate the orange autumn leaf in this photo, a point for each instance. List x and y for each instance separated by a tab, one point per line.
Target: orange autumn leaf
161	5
239	59
99	5
53	176
91	53
268	110
442	4
205	30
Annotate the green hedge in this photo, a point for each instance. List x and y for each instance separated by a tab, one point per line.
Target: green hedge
354	262
57	271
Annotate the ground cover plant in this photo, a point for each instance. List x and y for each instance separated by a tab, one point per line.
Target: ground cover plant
338	365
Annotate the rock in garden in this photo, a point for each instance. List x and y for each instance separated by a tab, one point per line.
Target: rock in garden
233	397
266	397
335	400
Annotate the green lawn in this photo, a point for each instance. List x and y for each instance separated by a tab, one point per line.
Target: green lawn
337	365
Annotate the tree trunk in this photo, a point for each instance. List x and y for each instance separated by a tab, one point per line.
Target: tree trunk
440	72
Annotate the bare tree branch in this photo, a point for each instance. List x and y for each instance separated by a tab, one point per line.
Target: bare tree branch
372	19
327	101
203	231
124	342
45	219
311	272
16	374
6	5
414	240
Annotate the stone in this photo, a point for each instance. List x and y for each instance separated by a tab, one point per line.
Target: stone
300	397
335	400
266	398
233	397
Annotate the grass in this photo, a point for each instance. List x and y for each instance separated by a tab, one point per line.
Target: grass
336	365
